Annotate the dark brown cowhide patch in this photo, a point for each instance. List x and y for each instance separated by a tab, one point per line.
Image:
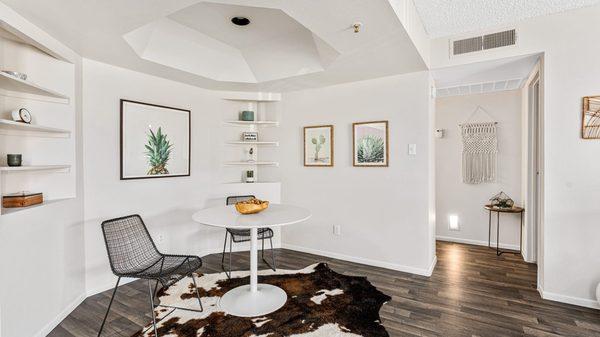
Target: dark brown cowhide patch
320	302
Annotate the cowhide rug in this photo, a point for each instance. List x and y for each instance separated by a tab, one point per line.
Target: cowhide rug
321	303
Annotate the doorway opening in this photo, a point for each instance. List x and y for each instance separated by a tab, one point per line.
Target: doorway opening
506	95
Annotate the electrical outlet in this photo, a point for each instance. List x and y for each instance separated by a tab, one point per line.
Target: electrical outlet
337	230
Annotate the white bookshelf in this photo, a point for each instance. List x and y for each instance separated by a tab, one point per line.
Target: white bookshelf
30	168
251	163
251	123
245	143
38	142
237	158
13	84
6	211
8	125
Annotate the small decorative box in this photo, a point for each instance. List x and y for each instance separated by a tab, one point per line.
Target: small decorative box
22	199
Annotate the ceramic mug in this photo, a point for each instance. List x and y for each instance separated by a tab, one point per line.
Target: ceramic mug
14	159
248	116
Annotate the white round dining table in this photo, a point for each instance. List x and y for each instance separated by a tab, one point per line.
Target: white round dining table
254	299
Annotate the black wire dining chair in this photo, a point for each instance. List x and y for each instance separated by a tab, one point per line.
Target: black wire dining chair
243	235
132	253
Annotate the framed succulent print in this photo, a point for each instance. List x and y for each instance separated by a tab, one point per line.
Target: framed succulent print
155	141
318	145
370	145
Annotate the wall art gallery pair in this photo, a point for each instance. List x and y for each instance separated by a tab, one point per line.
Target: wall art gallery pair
370	146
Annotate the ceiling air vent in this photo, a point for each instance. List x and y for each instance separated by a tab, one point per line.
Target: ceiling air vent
484	42
467	45
501	39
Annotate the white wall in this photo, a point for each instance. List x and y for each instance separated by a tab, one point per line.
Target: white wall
467	200
384	213
42	249
571	252
166	204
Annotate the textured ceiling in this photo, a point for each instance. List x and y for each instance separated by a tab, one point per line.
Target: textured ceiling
448	17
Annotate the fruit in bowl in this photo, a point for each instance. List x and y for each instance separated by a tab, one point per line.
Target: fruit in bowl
251	206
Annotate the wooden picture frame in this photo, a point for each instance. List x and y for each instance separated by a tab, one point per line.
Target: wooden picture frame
315	138
590	118
171	153
374	135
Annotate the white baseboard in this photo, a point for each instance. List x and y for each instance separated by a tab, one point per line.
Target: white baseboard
101	289
370	262
476	242
582	302
62	315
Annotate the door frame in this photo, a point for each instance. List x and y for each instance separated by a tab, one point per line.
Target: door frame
533	168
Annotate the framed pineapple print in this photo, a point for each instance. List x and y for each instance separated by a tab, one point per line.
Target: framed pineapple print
155	141
370	144
318	145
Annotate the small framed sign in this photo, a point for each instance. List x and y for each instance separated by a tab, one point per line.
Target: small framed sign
250	136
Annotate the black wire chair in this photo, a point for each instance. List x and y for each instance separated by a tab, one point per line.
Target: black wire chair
243	235
132	253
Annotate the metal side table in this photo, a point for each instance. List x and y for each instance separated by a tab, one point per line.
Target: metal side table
498	210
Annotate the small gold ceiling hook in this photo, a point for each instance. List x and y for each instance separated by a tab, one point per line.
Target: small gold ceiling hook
357	26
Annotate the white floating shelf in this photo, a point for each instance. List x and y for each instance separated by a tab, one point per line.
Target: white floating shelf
255	183
246	123
33	168
251	163
11	83
6	211
254	143
20	126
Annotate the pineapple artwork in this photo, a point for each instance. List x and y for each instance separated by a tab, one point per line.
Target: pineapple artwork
155	141
318	145
158	152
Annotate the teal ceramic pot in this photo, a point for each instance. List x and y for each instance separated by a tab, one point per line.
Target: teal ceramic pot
248	116
13	159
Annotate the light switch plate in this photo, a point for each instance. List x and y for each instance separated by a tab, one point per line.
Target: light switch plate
412	149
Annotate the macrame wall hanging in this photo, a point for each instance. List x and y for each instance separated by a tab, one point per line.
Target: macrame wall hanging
480	150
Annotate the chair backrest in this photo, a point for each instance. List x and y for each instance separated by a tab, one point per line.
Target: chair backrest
237	198
129	245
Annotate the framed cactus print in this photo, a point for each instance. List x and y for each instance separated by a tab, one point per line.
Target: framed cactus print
318	145
155	141
370	144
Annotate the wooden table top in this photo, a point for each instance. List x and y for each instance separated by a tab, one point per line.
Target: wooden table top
514	209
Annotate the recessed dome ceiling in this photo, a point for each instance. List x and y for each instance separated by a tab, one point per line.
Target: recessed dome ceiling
201	39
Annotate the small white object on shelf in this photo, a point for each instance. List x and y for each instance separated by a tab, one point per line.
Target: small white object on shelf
11	83
6	124
25	168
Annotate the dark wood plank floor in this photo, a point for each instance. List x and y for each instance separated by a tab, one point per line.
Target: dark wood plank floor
471	293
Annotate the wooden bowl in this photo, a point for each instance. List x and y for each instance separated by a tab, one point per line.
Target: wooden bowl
247	208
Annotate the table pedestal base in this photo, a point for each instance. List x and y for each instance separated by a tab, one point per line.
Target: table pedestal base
242	302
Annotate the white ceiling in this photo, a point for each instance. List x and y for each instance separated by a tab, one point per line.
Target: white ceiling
290	45
483	77
448	17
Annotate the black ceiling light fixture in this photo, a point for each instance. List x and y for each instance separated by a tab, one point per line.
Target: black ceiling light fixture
240	21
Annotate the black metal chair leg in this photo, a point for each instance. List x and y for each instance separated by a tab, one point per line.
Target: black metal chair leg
152	308
273	266
109	305
223	255
230	254
197	293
